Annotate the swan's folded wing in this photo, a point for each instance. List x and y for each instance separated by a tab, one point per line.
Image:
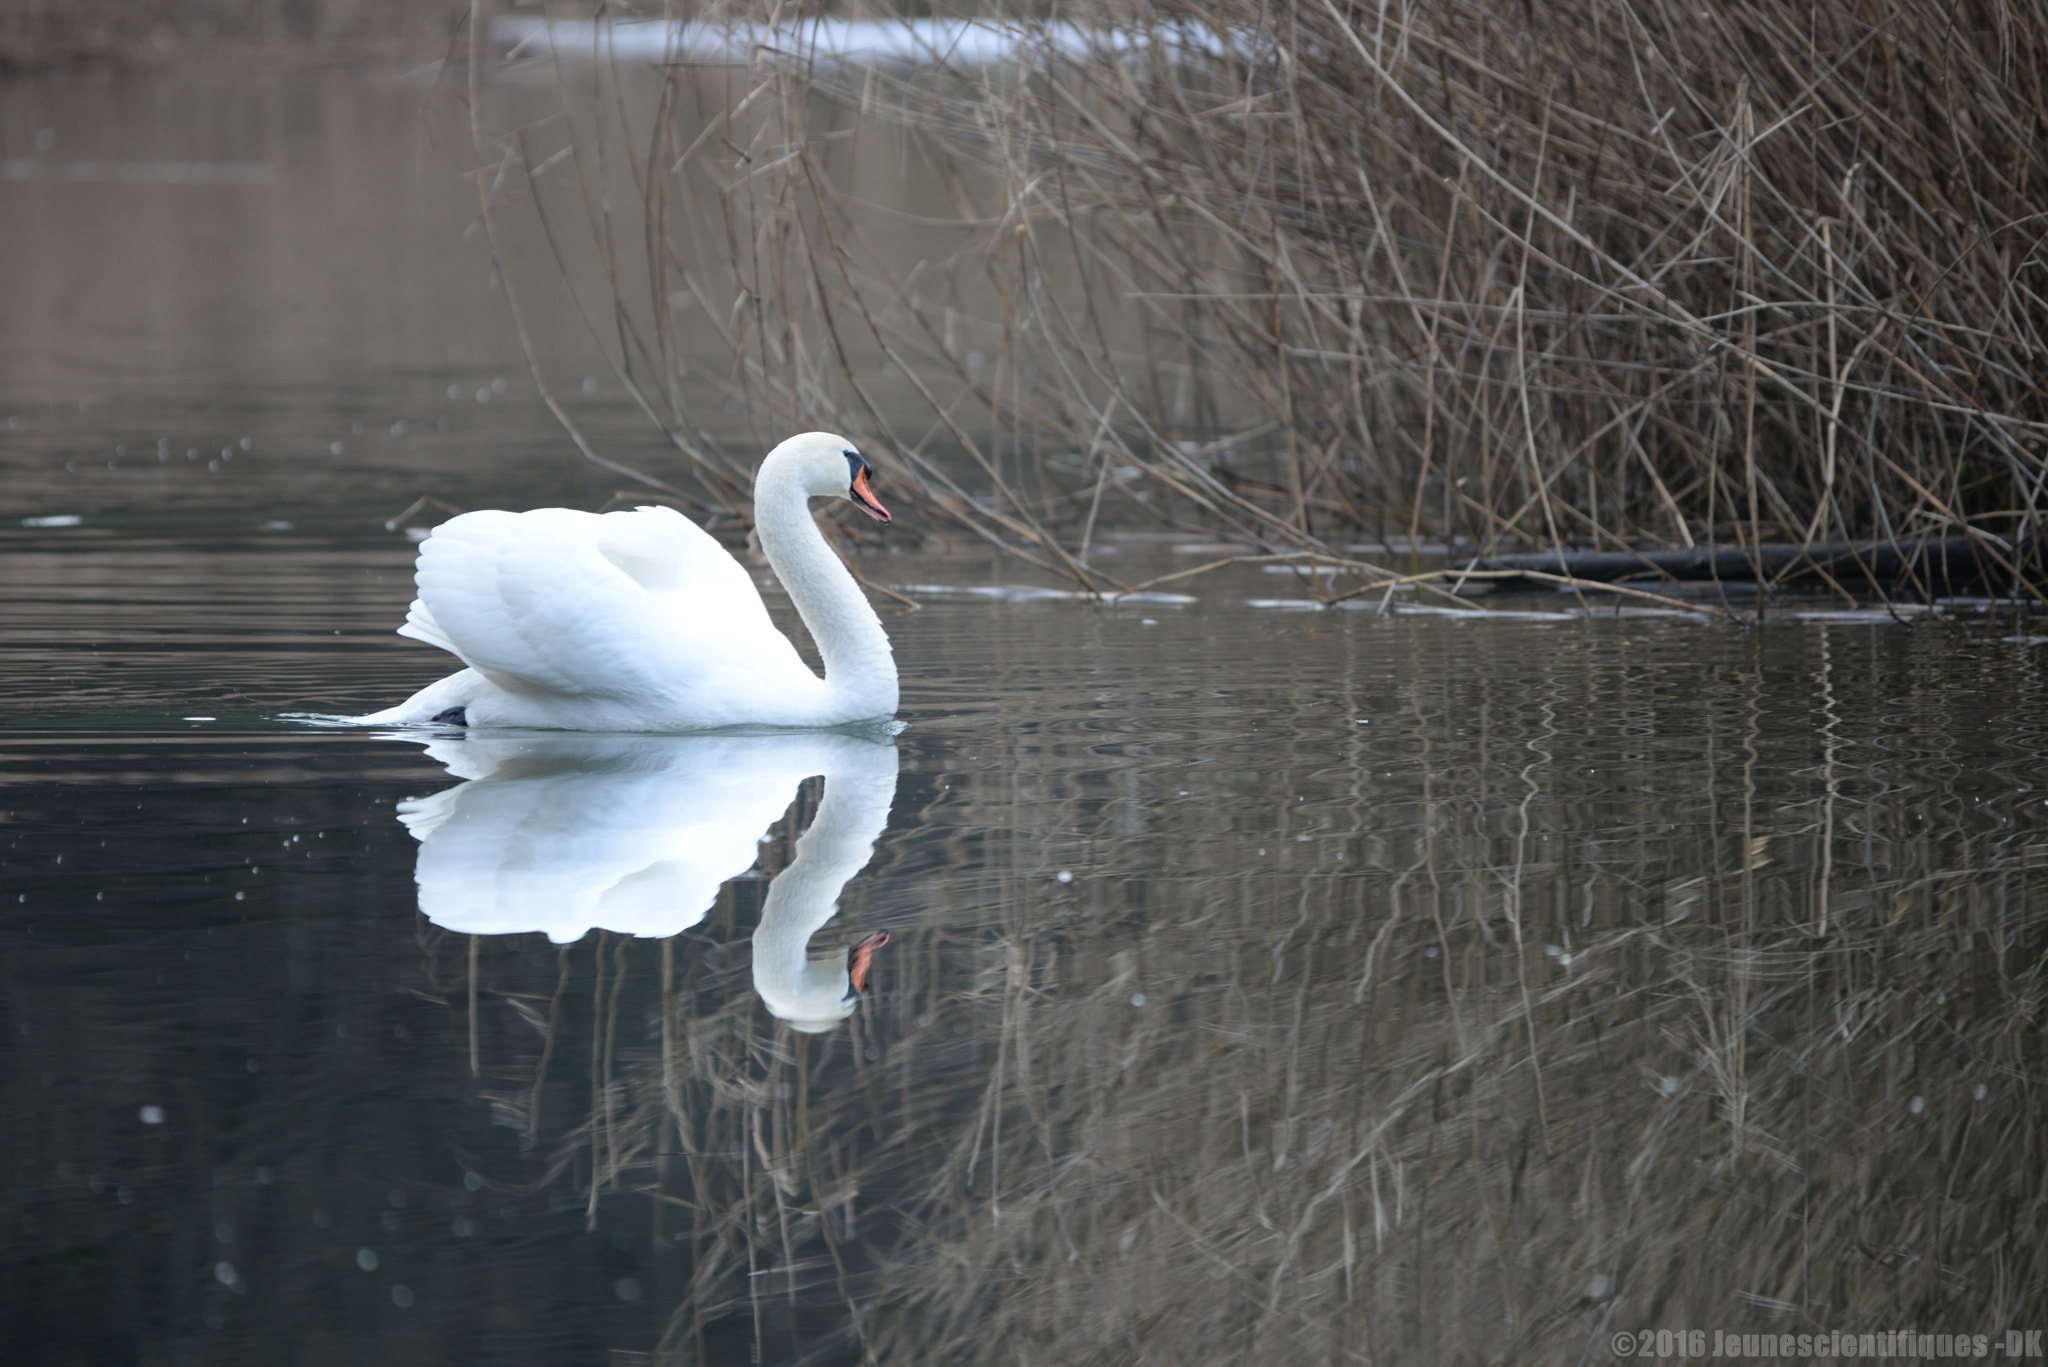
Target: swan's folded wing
421	626
707	593
532	604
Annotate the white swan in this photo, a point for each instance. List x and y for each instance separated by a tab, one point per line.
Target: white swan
640	621
564	834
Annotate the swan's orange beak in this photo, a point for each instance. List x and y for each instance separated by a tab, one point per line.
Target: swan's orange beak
864	498
864	953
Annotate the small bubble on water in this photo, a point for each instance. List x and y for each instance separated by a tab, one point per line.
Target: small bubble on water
483	396
1981	1091
1065	875
1917	1105
590	384
498	385
401	1296
1137	999
366	1259
1668	1085
627	1288
454	391
245	443
334	448
151	1115
224	1272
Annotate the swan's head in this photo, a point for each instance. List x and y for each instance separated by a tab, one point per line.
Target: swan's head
827	465
818	1010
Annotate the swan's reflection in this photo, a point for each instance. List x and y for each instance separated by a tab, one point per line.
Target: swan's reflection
566	833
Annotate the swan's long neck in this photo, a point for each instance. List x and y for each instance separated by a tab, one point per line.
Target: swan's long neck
860	673
803	897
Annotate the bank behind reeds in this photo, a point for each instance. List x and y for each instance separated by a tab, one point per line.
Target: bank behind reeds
1599	273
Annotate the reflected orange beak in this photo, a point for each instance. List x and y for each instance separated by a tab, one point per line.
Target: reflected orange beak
865	500
864	953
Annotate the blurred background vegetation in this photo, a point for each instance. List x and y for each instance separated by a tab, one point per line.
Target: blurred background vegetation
36	34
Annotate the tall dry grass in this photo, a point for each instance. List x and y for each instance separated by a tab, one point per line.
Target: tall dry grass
1611	273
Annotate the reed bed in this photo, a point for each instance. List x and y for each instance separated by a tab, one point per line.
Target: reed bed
1612	275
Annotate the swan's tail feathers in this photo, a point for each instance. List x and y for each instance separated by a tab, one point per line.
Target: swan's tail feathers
421	626
457	690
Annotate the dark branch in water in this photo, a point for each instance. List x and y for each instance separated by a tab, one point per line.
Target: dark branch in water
1942	562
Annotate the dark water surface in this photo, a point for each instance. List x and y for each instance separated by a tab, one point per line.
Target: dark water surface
1261	986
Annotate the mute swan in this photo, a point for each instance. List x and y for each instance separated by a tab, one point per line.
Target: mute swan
564	834
640	621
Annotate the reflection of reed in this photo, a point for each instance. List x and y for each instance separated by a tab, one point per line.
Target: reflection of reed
1499	1060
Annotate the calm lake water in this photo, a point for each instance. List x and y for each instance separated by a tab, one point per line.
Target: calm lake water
1261	985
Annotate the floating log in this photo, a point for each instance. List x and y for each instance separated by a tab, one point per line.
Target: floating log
1937	562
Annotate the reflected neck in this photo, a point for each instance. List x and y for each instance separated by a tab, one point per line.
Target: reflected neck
802	899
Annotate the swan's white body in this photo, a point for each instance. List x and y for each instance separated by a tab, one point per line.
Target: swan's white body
566	834
640	621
